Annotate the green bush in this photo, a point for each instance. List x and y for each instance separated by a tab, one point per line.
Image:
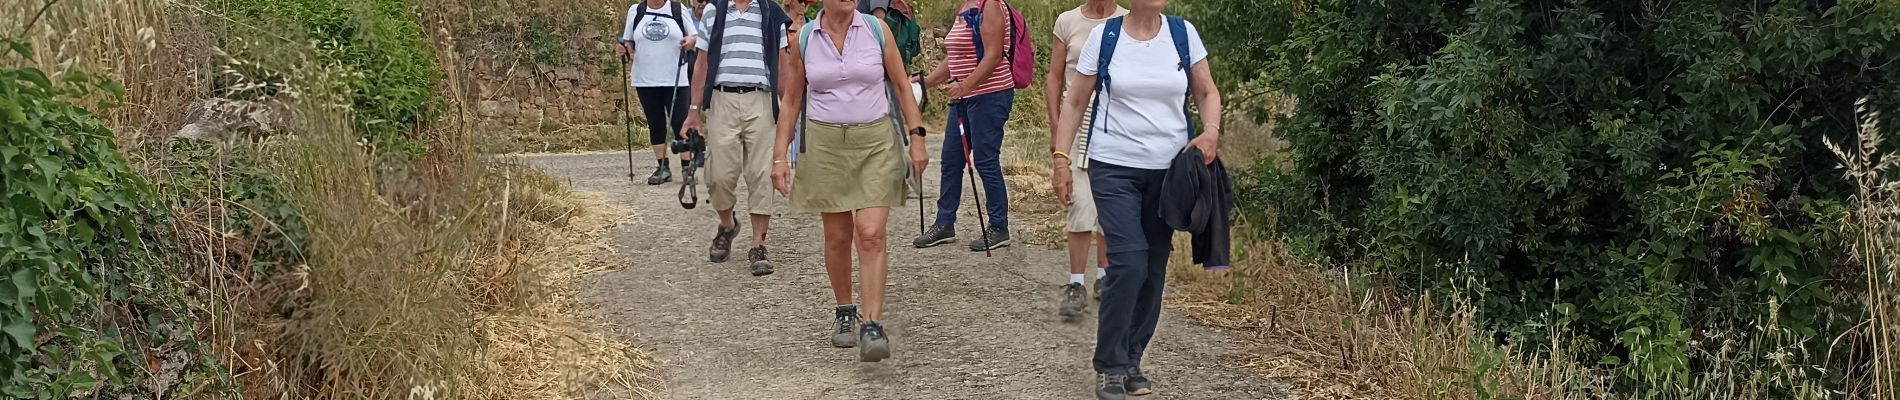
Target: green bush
71	215
1649	174
381	43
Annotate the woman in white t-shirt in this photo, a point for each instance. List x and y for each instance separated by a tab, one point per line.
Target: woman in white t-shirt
1141	127
657	35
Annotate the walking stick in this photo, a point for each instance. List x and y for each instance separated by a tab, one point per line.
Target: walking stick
626	109
969	160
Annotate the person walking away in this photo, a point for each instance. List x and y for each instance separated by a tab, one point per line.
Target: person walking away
982	93
840	71
1072	29
1142	125
735	82
656	35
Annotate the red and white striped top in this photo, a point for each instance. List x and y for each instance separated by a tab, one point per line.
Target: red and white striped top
960	53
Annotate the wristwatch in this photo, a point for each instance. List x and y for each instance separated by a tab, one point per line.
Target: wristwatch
918	132
694	107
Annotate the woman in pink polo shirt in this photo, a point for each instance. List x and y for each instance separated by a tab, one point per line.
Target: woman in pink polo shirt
852	164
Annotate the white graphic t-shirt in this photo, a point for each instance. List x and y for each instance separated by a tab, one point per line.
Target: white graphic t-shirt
656	45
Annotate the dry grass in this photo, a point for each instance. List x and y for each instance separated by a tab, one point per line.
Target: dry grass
1875	224
1312	330
446	278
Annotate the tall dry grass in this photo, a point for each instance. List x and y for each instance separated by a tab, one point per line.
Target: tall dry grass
1334	335
1875	225
448	277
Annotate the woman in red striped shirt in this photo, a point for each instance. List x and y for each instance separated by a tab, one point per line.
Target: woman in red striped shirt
982	94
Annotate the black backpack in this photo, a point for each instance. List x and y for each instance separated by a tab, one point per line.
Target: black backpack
642	15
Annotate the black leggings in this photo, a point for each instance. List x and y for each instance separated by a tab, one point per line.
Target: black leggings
653	101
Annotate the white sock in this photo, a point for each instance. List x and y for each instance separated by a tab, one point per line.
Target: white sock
1075	278
1101	272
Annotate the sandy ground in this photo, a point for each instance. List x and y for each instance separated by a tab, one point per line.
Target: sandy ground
963	325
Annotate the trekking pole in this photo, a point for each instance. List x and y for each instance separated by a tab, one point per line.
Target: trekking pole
626	108
969	160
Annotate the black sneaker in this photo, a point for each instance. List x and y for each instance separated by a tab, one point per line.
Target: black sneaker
996	239
1138	383
846	336
760	267
1072	304
722	243
938	234
661	175
874	345
1110	387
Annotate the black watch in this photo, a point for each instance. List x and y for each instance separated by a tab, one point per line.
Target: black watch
918	132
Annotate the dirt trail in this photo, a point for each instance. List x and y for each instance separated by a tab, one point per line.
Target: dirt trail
963	326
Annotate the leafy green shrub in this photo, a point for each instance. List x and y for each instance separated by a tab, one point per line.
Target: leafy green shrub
382	43
1655	168
70	225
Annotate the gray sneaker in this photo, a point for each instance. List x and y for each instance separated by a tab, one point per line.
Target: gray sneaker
1110	387
1072	304
875	346
938	234
663	174
1138	383
995	239
722	243
760	267
1097	285
846	335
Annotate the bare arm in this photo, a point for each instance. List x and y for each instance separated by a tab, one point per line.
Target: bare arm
791	81
1071	121
1207	96
1052	86
995	21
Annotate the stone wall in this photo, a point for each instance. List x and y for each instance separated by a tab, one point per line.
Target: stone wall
526	96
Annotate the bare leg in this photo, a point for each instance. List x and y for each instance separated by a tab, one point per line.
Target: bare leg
838	230
874	257
1079	251
659	151
725	219
760	222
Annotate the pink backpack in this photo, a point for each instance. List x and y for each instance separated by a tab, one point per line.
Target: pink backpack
1021	54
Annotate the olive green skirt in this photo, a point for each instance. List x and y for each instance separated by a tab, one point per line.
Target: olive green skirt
846	168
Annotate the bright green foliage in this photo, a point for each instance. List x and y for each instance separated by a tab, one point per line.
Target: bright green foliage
392	69
70	234
1646	172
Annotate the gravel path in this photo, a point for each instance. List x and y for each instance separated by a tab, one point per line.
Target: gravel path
963	326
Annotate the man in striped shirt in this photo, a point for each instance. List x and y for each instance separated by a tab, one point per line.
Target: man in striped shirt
736	83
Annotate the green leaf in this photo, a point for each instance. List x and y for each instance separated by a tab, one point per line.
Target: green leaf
25	283
25	50
22	333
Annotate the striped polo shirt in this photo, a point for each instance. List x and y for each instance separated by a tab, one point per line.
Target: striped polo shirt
742	54
960	52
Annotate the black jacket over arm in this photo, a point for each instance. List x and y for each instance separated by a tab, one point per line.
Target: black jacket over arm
1198	198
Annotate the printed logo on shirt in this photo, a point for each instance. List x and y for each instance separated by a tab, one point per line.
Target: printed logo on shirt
654	31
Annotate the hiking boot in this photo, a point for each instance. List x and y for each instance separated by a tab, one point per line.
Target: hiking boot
722	243
661	175
846	336
874	345
938	234
1138	383
760	267
996	239
1072	304
1110	387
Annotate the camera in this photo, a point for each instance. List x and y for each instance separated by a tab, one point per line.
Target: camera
694	143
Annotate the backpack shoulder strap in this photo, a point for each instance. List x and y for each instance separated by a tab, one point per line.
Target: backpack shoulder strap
877	30
804	38
1111	36
1177	30
679	18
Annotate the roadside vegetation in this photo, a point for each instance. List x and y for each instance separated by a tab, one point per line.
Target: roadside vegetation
320	227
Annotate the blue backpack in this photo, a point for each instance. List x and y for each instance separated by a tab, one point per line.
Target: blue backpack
1111	36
